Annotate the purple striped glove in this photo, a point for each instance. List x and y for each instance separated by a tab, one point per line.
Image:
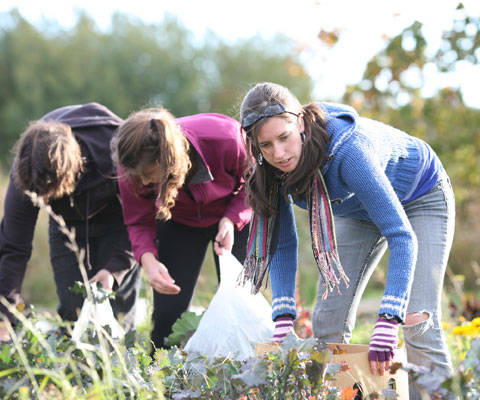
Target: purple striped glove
283	326
384	340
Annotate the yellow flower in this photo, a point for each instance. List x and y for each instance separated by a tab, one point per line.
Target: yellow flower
458	330
468	330
461	318
446	325
476	322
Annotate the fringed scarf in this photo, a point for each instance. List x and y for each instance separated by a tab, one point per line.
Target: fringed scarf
263	237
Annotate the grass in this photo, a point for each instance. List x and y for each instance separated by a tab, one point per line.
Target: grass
52	366
39	288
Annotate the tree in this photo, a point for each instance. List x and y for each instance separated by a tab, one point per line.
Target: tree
132	66
390	91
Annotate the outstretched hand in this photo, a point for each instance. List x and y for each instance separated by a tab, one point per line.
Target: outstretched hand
158	276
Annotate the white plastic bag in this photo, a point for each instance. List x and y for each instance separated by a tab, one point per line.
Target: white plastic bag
235	319
100	312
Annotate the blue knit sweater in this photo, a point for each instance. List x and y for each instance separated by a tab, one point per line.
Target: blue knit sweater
373	168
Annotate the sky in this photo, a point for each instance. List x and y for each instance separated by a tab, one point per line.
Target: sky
363	26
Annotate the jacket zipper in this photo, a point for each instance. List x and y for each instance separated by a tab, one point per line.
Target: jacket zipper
82	216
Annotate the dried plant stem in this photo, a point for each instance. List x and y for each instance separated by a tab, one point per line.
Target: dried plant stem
80	255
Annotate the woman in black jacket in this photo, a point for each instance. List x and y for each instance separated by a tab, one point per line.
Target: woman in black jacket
65	158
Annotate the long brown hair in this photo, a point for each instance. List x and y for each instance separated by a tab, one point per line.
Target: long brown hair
48	159
260	177
152	138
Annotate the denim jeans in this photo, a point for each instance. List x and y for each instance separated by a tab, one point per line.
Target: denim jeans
102	237
361	247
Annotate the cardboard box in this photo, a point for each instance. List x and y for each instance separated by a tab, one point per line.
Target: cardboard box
356	356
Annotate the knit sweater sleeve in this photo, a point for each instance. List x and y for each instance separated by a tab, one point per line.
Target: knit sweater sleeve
362	172
283	266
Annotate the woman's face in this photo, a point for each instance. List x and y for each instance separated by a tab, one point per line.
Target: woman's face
150	174
280	141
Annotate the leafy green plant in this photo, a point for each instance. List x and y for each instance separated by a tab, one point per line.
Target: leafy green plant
298	371
99	294
50	365
183	328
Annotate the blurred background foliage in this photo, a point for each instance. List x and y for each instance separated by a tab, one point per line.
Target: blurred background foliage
135	64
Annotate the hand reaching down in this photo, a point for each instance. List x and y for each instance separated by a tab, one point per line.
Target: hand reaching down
158	276
224	238
105	278
383	344
283	327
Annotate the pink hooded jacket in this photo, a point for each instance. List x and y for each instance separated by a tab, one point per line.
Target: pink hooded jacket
217	187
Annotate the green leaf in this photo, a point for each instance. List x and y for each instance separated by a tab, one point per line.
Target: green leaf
253	373
5	353
184	326
161	356
333	369
98	292
321	357
130	339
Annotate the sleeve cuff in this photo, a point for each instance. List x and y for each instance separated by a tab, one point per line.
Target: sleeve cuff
392	305
239	219
284	305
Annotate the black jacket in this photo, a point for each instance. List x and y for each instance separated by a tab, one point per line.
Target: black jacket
95	197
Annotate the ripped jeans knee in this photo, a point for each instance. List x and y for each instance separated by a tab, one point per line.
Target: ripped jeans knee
425	341
420	319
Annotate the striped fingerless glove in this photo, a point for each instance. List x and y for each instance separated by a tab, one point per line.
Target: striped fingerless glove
283	326
384	340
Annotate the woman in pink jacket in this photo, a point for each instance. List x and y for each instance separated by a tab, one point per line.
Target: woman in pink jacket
181	183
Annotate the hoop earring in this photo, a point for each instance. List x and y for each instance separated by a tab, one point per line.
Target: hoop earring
302	136
260	159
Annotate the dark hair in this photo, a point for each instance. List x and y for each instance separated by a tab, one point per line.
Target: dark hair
260	177
151	137
48	159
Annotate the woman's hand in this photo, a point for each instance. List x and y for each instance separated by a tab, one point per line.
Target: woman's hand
105	278
383	344
4	335
283	327
224	238
158	276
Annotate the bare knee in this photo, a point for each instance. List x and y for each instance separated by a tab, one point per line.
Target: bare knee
416	317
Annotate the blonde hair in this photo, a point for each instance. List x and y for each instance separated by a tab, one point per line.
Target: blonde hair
152	138
48	159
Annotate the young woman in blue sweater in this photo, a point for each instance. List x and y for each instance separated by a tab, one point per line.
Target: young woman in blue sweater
385	188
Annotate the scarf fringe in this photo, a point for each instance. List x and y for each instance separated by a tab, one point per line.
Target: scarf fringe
254	271
264	234
328	264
